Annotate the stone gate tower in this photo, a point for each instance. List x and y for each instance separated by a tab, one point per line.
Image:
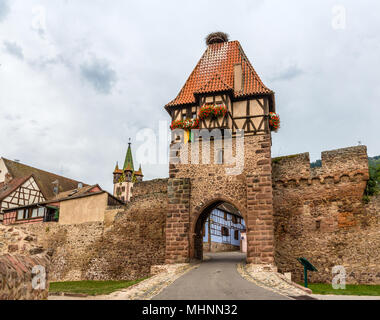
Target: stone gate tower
223	92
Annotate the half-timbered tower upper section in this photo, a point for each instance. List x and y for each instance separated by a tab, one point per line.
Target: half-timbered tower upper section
224	91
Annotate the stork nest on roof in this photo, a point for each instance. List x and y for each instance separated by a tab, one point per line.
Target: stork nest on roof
216	37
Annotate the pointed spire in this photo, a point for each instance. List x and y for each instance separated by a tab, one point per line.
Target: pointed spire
139	172
128	163
117	170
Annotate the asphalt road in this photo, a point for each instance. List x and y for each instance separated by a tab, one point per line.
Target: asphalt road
216	279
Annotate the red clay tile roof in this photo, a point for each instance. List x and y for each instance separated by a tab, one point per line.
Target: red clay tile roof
43	178
215	72
7	189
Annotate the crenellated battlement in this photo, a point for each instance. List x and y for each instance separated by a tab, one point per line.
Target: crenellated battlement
341	165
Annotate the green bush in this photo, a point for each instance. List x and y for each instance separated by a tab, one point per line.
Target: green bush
373	184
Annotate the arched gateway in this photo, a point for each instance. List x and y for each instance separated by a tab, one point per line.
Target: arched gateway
223	92
203	215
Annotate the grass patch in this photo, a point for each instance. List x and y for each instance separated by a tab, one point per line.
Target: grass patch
351	289
92	288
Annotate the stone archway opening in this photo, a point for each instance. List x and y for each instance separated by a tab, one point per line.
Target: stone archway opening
220	227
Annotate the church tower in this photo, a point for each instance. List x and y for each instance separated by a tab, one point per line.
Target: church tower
123	179
223	92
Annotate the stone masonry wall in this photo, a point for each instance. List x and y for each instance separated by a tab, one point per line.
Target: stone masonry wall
68	245
249	190
19	253
219	247
319	215
135	241
178	221
124	247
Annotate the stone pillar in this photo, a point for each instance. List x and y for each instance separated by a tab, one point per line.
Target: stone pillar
260	224
178	221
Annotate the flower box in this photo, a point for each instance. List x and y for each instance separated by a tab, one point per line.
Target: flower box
274	121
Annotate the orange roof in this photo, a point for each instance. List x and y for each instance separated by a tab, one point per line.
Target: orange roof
139	172
117	170
215	72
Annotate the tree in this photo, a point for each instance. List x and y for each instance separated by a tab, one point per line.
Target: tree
373	184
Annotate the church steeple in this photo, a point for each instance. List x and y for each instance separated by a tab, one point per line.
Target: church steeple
128	162
126	176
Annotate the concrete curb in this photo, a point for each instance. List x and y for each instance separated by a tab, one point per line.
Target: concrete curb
68	294
248	276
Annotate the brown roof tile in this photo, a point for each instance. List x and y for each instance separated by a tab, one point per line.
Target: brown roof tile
75	192
215	72
43	178
8	188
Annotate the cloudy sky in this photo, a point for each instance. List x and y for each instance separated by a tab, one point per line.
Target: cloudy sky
78	78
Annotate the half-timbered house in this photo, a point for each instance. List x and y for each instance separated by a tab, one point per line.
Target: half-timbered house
22	185
20	192
223	228
83	204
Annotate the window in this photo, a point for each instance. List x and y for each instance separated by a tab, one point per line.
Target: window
234	219
118	190
225	216
123	189
318	224
20	214
41	212
236	235
225	232
34	213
